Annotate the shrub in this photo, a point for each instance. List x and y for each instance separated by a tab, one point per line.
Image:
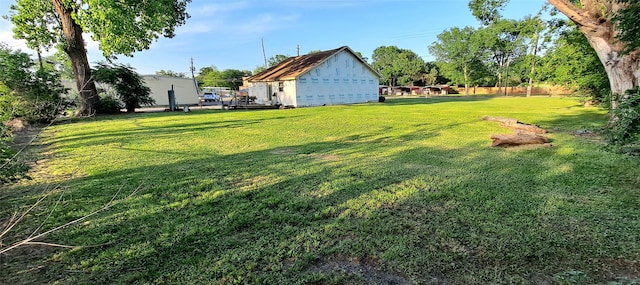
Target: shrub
381	99
27	92
108	105
624	128
128	85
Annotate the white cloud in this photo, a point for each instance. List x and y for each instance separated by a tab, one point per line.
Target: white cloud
215	10
195	28
6	36
265	23
235	21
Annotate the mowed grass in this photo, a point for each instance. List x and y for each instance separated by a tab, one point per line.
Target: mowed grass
403	192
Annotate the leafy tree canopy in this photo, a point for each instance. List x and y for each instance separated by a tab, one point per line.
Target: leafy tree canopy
171	73
277	59
573	63
27	91
232	78
627	20
398	66
459	53
120	27
487	11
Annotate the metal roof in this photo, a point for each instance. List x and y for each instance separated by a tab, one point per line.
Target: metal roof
295	66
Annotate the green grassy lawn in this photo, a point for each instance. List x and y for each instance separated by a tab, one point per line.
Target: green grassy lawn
402	192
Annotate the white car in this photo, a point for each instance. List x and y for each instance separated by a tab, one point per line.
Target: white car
210	97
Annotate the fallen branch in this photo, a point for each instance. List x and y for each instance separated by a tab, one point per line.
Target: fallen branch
524	134
518	138
31	240
515	124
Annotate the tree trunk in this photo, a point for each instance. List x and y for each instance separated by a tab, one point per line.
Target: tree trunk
466	80
622	70
506	79
536	37
75	49
500	81
594	21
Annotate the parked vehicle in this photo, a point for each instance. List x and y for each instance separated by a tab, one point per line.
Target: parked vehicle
210	96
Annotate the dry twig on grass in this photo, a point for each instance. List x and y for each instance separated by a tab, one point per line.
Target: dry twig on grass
33	238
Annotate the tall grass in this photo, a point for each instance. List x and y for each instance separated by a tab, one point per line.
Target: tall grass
406	191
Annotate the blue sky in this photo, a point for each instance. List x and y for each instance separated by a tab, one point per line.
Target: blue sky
227	33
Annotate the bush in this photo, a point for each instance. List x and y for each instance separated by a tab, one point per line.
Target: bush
381	99
128	85
108	105
27	92
624	127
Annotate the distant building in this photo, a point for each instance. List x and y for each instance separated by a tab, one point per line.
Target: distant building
330	77
184	89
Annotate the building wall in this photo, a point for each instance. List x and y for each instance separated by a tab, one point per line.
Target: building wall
342	79
184	89
287	97
265	91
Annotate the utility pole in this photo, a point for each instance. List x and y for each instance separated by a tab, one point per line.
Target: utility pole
264	54
193	76
298	50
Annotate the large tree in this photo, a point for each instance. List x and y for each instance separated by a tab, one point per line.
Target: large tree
458	51
503	44
211	77
611	28
398	66
120	27
571	62
620	57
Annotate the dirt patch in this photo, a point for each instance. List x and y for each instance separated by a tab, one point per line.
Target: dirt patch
23	132
326	157
26	157
368	271
283	151
588	135
618	269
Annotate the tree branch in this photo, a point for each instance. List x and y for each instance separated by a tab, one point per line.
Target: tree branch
31	240
578	16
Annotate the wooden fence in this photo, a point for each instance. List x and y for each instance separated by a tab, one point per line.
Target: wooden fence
549	90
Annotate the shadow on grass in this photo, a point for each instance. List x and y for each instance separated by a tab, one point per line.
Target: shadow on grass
167	129
451	216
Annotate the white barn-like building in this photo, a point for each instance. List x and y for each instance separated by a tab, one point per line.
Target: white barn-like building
184	89
330	77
